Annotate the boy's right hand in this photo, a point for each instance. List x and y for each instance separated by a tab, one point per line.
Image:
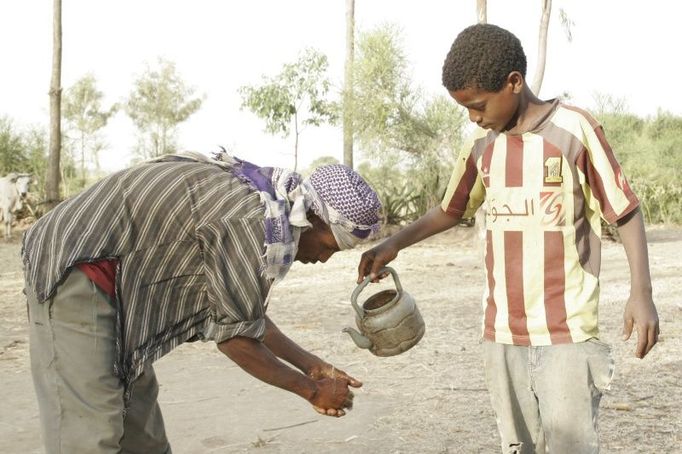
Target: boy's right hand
640	313
333	397
375	259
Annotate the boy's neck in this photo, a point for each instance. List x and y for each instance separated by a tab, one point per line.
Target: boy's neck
531	108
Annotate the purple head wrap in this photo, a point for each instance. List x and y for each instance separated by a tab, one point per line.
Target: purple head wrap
335	193
353	202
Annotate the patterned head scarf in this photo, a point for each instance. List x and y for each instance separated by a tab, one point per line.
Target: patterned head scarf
335	193
343	200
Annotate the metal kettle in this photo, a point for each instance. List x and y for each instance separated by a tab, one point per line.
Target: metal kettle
389	321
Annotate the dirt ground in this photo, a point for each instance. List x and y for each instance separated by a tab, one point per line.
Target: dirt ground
430	399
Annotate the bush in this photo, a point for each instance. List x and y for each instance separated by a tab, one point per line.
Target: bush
660	202
406	193
650	151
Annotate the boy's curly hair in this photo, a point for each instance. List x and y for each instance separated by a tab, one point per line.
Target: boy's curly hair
482	56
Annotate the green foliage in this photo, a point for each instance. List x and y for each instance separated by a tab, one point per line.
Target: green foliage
650	151
405	192
398	199
82	106
35	149
158	103
271	103
660	201
665	126
414	137
296	97
383	97
24	151
321	161
84	116
392	116
12	148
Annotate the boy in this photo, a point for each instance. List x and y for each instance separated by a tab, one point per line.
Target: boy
547	175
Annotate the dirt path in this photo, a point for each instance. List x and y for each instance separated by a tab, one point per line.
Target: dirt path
430	399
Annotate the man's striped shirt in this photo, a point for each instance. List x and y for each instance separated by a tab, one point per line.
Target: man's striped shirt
189	240
545	191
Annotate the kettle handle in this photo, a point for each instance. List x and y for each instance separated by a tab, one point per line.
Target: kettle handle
363	284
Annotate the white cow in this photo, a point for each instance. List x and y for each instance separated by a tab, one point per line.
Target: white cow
13	190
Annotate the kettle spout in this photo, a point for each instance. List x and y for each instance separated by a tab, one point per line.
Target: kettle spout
360	340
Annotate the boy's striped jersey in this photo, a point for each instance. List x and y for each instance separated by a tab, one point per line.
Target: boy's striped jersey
543	193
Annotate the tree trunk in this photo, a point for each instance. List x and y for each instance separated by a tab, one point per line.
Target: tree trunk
296	141
164	134
348	85
65	182
482	11
542	47
83	176
52	183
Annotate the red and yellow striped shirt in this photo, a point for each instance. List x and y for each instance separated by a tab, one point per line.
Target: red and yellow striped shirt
545	191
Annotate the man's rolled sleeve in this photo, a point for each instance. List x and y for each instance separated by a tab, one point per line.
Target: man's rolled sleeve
220	332
237	290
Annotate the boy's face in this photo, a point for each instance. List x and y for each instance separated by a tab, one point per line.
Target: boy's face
492	110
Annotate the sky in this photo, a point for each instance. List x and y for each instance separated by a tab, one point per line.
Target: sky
628	49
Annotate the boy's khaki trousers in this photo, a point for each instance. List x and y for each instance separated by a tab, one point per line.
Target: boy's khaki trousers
72	345
546	398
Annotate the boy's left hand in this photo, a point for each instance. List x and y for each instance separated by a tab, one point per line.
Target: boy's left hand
640	313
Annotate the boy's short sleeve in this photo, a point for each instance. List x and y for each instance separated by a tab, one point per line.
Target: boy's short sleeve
605	182
465	192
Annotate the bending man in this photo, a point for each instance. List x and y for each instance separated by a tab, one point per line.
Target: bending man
173	250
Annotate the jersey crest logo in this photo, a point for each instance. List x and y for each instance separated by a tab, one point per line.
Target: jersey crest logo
552	209
553	170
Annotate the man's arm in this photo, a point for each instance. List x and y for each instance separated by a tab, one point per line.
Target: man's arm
255	358
288	350
640	310
434	221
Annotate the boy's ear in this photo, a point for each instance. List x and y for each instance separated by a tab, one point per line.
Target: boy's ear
515	79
